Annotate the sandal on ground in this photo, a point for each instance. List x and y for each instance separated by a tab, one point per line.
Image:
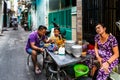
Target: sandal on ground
37	71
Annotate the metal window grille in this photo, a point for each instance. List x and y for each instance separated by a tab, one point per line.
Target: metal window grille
105	11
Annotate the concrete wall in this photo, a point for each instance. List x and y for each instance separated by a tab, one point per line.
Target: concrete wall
74	27
39	16
41	12
1	15
74	23
34	19
79	21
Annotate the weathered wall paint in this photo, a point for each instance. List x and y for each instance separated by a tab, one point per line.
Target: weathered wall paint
1	16
79	21
41	12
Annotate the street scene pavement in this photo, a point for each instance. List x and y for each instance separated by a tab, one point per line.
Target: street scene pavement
73	29
13	58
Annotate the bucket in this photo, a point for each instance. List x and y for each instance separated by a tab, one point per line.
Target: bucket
81	70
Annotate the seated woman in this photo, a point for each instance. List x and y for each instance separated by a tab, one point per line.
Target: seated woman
57	38
106	52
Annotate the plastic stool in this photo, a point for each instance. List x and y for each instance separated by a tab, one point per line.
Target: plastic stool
29	59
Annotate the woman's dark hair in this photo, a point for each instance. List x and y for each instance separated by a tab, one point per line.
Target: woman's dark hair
56	28
102	24
41	27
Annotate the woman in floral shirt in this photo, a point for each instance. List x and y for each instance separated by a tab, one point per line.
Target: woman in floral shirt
106	52
57	37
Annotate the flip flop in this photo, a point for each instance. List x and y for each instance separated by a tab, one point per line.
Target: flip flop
37	71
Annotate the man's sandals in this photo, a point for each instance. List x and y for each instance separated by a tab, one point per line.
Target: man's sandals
37	70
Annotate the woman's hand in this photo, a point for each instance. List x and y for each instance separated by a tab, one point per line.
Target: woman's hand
105	66
51	40
48	40
100	60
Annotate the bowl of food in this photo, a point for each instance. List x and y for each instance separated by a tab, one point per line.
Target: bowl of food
47	44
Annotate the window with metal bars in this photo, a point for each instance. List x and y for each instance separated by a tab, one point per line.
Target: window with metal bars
105	11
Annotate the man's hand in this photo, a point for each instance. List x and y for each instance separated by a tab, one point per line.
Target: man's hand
41	49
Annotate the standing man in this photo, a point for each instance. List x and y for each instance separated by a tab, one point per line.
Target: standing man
33	45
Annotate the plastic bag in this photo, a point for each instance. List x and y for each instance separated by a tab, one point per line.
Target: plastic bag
52	47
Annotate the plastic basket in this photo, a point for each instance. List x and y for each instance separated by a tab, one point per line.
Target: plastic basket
81	70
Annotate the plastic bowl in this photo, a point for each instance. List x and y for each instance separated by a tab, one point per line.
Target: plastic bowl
81	70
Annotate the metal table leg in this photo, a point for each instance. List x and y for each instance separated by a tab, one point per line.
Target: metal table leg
58	74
